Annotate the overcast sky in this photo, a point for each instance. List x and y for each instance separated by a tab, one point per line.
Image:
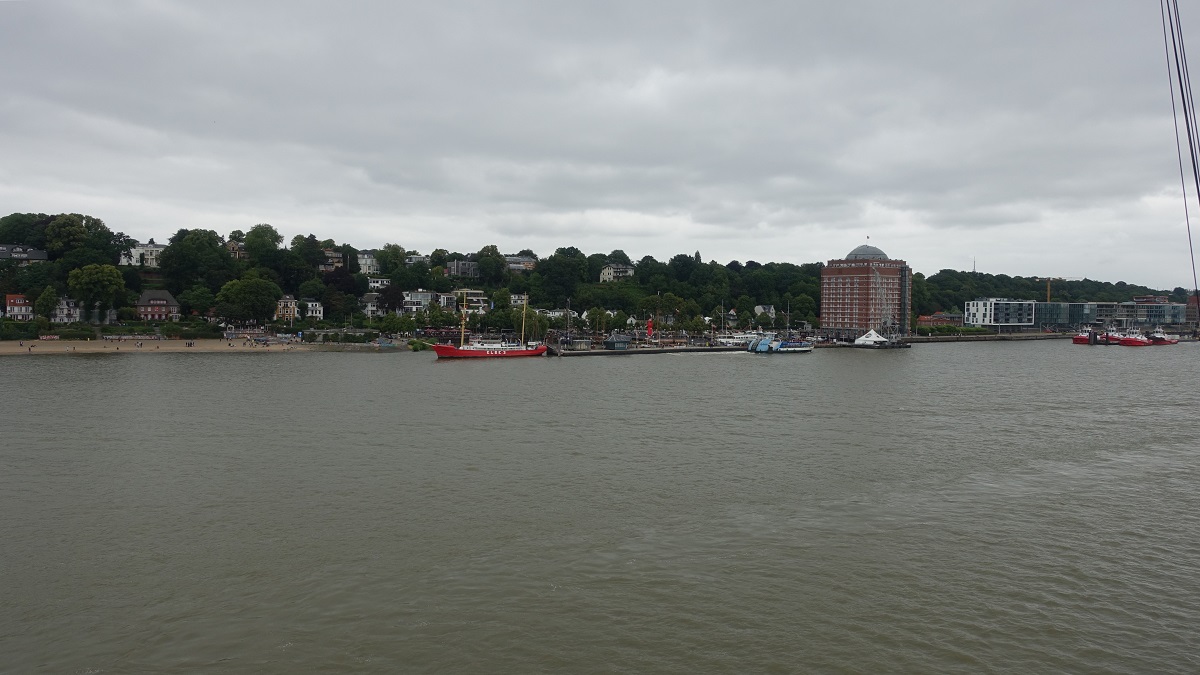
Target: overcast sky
1026	138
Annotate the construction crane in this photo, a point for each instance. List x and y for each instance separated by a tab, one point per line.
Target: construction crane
1049	279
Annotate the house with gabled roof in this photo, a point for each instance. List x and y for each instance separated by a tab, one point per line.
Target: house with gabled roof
157	305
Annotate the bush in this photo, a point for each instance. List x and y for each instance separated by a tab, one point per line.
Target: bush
75	334
201	332
17	330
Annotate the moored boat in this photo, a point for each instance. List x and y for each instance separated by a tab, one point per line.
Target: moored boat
1135	340
487	349
769	344
1159	337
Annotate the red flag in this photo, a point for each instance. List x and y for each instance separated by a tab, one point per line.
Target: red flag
649	327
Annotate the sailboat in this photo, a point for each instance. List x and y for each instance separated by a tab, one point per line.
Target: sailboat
489	348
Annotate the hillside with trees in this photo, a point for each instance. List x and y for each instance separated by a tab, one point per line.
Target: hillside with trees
200	269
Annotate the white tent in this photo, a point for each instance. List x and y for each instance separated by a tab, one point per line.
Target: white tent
871	338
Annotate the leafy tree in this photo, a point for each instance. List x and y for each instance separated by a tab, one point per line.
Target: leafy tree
46	303
262	245
492	265
196	257
309	249
390	258
244	300
197	299
28	229
99	286
312	288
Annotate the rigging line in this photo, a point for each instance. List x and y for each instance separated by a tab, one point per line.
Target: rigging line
1177	34
1185	100
1185	89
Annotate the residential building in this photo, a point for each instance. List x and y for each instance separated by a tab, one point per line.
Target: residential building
519	299
333	260
940	319
1064	315
370	305
769	310
415	301
18	307
144	254
414	259
67	311
23	254
367	264
1146	314
285	309
157	305
311	309
462	268
237	250
378	283
864	291
615	272
473	300
520	263
1000	314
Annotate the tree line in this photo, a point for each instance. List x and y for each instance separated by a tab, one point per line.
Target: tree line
199	269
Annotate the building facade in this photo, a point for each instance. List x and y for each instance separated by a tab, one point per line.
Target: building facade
367	264
462	268
865	291
285	308
18	307
615	272
1002	314
144	254
157	306
67	311
23	254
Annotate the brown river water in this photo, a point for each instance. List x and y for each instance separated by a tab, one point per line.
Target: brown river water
1003	507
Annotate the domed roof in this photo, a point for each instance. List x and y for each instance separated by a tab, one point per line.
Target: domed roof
866	252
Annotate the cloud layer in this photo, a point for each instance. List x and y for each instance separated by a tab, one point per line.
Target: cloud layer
1031	138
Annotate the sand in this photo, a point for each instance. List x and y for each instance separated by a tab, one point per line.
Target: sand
32	347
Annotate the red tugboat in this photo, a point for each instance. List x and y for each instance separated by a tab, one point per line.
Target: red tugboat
487	349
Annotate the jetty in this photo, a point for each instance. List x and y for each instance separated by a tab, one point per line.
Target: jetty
559	350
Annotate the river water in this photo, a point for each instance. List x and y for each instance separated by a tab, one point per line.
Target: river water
1002	507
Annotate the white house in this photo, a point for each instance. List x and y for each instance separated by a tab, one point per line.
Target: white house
144	254
313	309
67	311
378	283
367	264
615	272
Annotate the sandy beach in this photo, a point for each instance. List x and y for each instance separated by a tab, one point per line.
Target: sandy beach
32	347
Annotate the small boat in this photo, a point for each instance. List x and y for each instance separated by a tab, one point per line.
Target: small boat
1158	337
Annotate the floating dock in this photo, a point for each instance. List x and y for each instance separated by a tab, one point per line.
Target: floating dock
556	350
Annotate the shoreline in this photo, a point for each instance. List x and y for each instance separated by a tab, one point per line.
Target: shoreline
210	345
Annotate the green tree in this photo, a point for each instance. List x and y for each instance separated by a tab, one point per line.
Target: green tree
262	245
196	257
96	286
46	303
197	299
245	300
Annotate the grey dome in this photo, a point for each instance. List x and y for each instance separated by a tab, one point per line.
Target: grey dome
866	252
